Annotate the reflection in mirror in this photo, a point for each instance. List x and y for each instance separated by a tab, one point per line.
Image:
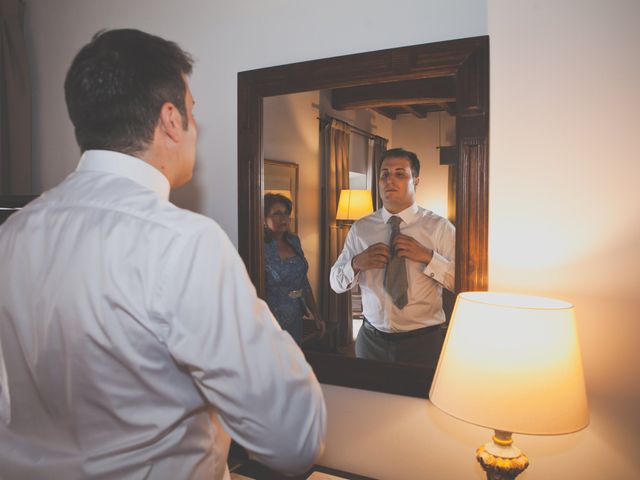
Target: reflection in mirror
451	74
291	136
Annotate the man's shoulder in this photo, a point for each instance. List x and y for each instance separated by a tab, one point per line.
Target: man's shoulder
371	219
123	197
430	216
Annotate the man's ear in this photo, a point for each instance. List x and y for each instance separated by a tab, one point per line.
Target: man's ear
416	181
170	121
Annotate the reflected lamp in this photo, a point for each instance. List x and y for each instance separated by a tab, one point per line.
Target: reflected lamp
354	204
511	363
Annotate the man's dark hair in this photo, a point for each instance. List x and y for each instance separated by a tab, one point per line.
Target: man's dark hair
117	84
402	153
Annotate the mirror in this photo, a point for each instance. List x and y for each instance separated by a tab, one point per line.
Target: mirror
456	70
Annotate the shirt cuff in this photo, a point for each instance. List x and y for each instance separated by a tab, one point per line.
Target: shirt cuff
349	273
437	268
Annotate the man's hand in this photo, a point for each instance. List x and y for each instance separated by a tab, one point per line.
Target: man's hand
410	248
376	256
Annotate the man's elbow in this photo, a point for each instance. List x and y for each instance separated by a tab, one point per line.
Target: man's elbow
294	453
336	285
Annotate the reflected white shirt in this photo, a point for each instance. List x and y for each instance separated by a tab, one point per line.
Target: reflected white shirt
132	335
424	307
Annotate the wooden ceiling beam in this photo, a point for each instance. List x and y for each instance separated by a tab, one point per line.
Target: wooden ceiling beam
449	107
425	91
385	112
415	110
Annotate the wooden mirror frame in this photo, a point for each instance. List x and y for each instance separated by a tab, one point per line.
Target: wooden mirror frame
467	61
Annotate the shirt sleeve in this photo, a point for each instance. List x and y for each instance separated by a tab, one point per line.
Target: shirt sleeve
5	398
442	266
267	397
342	276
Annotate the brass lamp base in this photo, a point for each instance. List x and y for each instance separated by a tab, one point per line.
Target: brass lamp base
500	459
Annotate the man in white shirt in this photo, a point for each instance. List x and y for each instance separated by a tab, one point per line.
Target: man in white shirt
404	325
132	337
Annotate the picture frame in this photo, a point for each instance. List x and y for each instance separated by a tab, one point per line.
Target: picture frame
282	178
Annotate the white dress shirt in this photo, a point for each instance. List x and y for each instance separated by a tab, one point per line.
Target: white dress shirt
424	307
133	339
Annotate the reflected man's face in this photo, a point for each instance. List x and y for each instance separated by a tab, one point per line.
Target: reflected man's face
397	185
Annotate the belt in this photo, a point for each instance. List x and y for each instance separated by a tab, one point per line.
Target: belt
399	335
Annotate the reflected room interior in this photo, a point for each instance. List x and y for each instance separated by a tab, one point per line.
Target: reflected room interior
294	162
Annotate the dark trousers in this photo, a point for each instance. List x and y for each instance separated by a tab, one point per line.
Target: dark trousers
420	346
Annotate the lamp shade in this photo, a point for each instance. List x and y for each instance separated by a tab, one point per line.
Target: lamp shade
354	204
512	363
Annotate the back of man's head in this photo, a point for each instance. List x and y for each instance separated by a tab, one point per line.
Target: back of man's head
117	84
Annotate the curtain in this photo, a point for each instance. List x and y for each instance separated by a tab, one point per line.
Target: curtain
15	102
379	147
334	144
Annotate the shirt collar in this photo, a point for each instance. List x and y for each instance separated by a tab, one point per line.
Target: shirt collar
407	215
126	166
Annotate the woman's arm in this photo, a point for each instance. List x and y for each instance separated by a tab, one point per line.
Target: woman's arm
313	306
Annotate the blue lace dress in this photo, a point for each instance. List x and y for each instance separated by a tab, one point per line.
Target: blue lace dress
282	277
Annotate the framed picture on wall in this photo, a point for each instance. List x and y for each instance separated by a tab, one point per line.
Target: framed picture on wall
282	178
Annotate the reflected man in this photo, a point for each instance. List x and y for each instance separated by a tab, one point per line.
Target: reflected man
402	255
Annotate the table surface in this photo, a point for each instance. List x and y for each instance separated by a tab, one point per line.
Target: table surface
257	471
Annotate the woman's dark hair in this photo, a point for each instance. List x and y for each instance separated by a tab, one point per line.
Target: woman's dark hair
117	84
402	153
270	199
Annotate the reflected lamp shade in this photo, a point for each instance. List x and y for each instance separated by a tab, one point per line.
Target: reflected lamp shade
512	363
354	204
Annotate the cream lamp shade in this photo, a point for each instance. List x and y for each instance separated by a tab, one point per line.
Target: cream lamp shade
354	204
512	363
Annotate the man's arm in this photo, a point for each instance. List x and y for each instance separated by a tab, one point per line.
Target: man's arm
342	276
252	372
442	267
344	273
440	264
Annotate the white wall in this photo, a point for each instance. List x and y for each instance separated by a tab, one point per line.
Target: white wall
564	175
226	37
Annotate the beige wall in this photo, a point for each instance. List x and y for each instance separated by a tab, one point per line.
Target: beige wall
564	174
565	203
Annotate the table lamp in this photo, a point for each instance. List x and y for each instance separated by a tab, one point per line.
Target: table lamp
512	363
354	204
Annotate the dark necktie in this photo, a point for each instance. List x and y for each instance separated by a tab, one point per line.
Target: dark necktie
395	277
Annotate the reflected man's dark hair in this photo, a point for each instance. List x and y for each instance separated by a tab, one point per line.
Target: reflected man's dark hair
402	153
117	84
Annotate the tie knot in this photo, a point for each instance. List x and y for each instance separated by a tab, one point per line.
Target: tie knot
394	221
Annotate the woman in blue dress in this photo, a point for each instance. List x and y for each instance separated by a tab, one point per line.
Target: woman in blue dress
289	294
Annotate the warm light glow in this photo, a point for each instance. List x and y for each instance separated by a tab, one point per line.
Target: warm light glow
512	362
354	204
